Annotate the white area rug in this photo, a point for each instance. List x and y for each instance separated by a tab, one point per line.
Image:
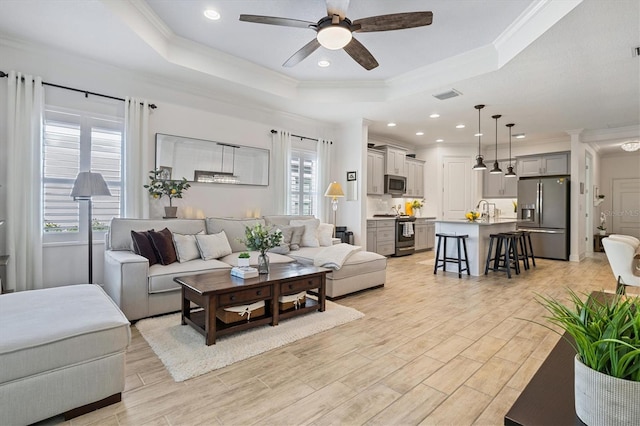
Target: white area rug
184	354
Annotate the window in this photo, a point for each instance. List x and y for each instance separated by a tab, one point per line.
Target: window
74	142
303	186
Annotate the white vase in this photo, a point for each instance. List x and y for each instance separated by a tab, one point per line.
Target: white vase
416	212
605	400
243	261
602	231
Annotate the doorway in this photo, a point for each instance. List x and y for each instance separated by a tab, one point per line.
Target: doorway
588	197
625	215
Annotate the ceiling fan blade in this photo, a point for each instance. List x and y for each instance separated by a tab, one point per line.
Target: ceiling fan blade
337	7
301	54
395	21
273	20
360	54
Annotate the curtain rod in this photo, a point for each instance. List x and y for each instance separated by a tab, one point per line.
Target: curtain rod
301	137
86	92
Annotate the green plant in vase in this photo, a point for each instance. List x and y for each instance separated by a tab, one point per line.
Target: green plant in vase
262	238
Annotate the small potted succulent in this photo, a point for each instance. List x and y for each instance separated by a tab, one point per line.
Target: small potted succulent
243	259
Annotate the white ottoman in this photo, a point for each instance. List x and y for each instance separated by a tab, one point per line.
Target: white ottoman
62	350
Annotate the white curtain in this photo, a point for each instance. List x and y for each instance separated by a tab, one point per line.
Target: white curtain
136	157
324	179
281	149
25	114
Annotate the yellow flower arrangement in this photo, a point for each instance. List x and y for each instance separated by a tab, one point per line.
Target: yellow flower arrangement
472	215
171	188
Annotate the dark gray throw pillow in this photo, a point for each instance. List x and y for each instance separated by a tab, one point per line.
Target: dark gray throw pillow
143	246
163	245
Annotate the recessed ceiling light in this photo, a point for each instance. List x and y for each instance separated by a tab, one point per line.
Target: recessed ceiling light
212	14
478	134
419	133
434	115
391	124
460	126
631	146
439	140
519	136
323	63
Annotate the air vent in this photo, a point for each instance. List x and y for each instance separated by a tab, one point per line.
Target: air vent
636	51
448	94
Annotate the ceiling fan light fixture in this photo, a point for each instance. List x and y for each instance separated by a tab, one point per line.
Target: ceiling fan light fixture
631	146
334	37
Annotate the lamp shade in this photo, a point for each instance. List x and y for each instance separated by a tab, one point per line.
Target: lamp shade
88	184
334	190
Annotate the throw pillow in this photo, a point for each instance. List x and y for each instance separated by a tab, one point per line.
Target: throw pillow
142	246
291	237
186	246
310	235
163	245
325	234
213	246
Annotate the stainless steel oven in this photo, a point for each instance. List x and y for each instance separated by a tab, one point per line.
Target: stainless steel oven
405	235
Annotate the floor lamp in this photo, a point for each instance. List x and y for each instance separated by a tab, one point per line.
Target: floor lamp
334	191
87	185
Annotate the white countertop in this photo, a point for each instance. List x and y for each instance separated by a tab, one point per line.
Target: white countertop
393	218
479	223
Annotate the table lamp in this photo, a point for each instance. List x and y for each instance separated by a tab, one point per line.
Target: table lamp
334	191
87	185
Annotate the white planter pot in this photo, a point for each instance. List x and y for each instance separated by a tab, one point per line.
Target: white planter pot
602	232
605	400
243	262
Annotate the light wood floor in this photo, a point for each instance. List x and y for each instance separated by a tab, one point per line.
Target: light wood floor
431	350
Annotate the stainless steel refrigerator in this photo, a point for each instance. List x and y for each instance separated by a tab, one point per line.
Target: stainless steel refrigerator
543	209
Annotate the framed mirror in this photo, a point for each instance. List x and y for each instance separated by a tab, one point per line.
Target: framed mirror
204	161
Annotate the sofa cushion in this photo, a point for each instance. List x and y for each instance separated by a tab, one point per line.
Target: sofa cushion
291	237
186	247
310	235
119	236
325	234
278	220
161	276
233	228
143	246
213	246
45	330
163	246
232	259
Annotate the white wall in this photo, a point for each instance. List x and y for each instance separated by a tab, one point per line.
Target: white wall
181	111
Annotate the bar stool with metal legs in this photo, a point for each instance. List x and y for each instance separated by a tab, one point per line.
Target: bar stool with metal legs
445	259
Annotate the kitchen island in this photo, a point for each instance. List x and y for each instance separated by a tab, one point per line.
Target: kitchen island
477	243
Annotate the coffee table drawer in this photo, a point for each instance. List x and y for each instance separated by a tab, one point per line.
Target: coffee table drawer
245	295
300	285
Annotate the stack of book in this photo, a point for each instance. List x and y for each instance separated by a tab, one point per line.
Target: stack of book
244	272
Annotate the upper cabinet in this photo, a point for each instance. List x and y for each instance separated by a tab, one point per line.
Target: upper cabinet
544	165
375	172
415	177
499	186
394	160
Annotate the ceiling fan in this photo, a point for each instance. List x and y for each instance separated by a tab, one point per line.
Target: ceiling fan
334	31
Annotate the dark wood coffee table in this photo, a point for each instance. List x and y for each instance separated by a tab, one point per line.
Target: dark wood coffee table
219	289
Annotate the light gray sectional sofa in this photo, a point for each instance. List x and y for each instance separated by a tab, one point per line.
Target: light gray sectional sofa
141	290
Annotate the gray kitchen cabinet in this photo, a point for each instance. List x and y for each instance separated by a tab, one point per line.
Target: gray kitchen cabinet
394	160
424	234
415	178
544	165
375	172
381	237
499	186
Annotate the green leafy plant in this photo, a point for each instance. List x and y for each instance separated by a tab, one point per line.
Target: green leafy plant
159	187
244	255
261	238
606	331
417	204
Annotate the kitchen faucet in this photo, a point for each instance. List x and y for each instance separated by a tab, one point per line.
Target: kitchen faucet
485	208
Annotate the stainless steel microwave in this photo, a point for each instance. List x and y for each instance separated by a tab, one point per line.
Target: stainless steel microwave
395	185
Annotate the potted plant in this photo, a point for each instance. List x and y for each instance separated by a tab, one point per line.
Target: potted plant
262	238
243	259
602	228
159	187
416	205
606	337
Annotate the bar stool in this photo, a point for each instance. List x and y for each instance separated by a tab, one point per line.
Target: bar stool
505	254
526	238
521	248
446	259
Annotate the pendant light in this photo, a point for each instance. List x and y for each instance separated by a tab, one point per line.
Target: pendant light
510	173
479	159
496	168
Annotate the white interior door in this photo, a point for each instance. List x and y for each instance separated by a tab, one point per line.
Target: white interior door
625	216
456	197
